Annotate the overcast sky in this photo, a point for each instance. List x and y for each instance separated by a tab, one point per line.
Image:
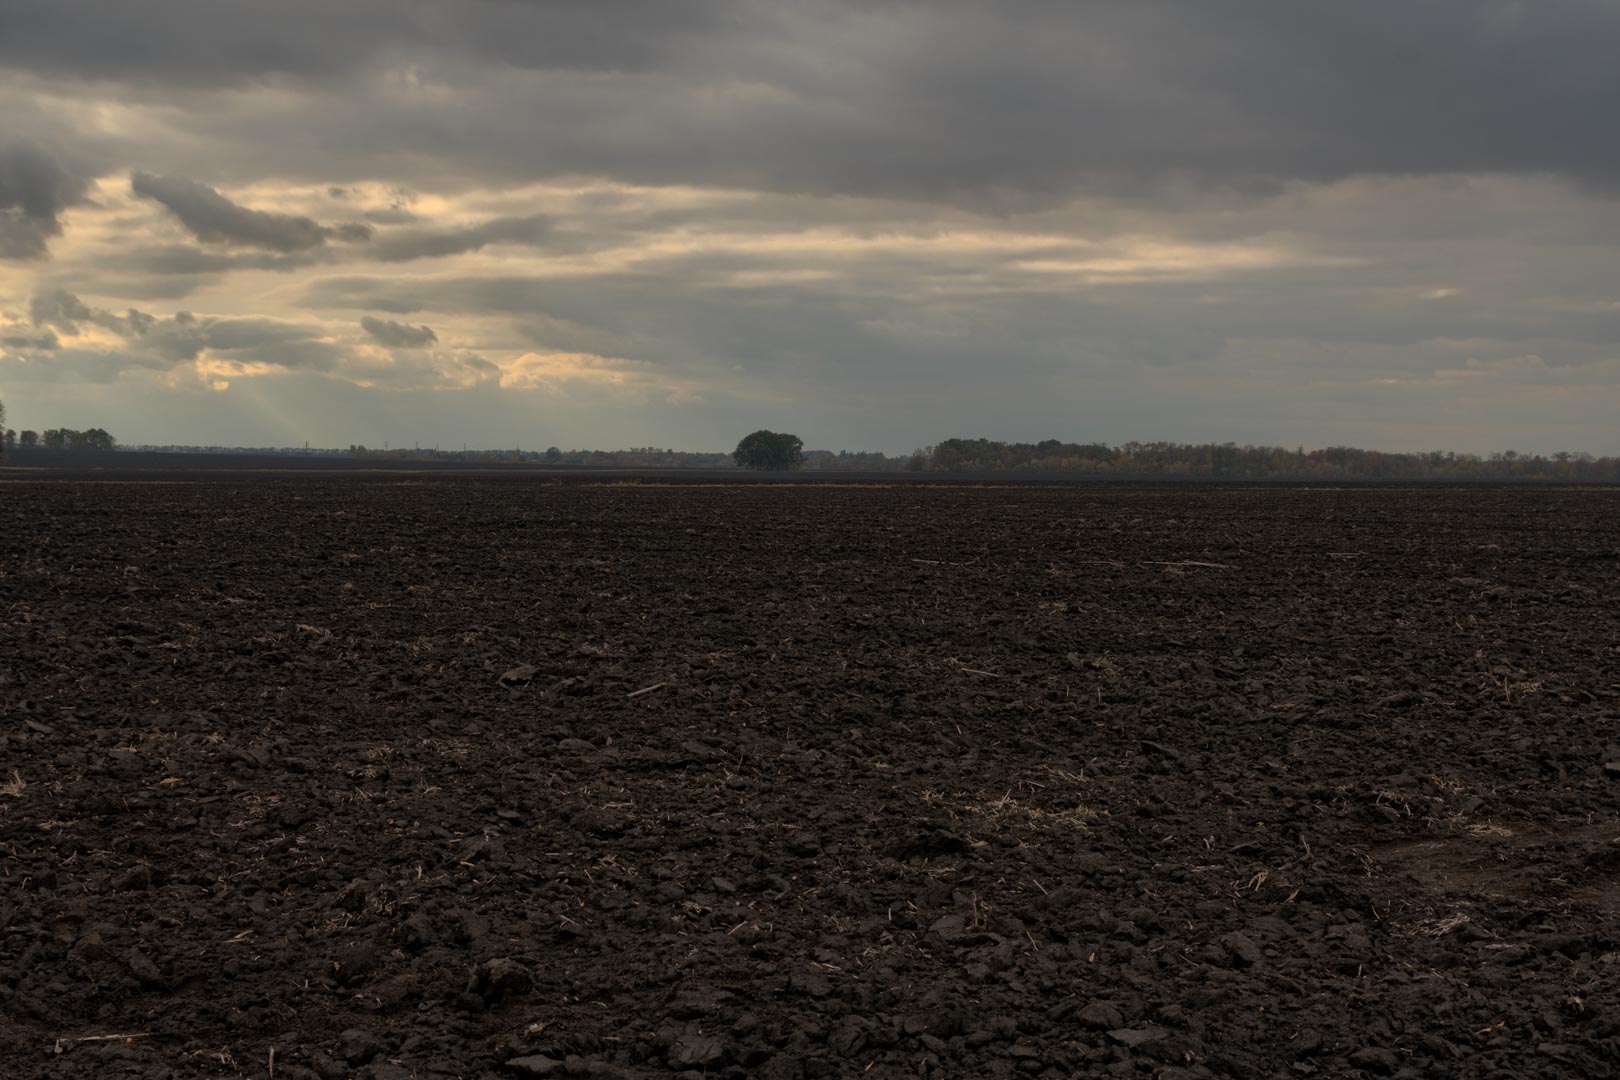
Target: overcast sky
1388	223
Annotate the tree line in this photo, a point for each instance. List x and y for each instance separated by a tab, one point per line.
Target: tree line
1230	461
1132	460
58	439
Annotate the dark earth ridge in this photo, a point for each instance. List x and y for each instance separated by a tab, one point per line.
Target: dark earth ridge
445	777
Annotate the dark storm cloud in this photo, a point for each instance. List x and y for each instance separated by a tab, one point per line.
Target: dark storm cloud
241	42
399	335
213	218
34	190
946	100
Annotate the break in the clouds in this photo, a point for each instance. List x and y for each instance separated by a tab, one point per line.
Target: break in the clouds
877	224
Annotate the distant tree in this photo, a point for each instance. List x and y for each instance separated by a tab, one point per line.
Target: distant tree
553	454
97	439
56	438
28	440
10	442
776	451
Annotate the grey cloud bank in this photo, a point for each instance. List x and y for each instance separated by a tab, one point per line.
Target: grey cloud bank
1391	224
944	99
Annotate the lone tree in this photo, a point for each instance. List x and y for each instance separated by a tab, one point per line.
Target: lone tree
769	450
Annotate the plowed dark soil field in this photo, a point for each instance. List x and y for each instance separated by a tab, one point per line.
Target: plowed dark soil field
461	778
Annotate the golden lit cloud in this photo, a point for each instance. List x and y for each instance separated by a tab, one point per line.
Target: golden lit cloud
559	371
